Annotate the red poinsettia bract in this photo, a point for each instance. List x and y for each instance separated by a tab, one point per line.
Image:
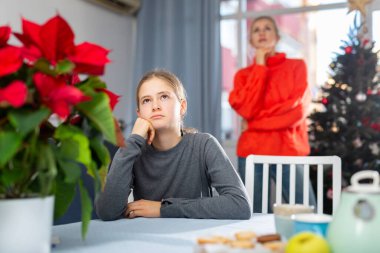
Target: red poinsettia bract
10	60
15	94
10	56
114	99
54	41
57	95
5	32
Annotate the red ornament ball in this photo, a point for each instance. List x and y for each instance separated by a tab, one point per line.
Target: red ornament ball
348	50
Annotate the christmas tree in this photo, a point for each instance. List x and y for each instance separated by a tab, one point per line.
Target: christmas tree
346	121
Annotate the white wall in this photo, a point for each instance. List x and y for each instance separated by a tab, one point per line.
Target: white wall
89	23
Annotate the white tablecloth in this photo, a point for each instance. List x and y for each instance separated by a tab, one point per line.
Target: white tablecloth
152	235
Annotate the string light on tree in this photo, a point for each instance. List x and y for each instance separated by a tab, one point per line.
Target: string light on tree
361	97
335	128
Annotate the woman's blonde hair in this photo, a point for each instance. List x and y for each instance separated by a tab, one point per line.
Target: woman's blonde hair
171	80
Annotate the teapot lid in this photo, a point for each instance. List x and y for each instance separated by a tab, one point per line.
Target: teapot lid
358	187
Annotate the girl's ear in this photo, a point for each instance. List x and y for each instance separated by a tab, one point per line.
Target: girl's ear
183	107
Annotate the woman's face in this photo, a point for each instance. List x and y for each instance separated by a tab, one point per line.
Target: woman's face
159	104
263	34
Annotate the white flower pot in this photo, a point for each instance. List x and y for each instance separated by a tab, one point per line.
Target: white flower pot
25	225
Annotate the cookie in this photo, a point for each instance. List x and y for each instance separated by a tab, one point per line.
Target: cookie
214	240
275	246
245	235
244	244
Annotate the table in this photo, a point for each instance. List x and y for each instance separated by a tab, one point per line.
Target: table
152	235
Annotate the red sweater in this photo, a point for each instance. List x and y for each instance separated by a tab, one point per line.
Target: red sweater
274	100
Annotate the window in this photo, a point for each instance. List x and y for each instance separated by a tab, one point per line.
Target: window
376	29
308	30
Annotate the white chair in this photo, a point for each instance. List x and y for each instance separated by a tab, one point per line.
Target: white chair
304	161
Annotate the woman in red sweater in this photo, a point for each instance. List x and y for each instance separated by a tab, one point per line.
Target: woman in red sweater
272	97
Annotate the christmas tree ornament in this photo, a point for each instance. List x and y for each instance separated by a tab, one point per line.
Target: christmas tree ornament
342	120
358	5
319	128
359	162
334	128
348	50
357	142
329	193
375	126
361	97
374	148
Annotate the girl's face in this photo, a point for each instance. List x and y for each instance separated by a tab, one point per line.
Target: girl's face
159	104
263	34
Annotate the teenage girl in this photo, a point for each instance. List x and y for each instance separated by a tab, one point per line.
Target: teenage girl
171	170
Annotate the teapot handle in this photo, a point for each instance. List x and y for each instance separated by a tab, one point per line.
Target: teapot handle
366	174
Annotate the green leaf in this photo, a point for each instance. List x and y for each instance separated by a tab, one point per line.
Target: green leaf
103	155
44	66
9	144
101	151
93	172
98	111
46	167
103	171
86	208
94	83
9	177
64	67
72	171
64	195
25	120
74	144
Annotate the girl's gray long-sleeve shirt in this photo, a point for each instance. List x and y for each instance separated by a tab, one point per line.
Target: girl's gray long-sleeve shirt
181	177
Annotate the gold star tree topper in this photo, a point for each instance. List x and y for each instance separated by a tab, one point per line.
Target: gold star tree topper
358	5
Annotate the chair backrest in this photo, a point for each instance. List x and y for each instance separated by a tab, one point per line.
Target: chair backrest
304	161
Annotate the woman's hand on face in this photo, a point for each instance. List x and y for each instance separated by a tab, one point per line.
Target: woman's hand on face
145	129
143	208
262	54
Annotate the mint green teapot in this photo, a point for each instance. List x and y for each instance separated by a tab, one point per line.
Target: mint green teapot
356	224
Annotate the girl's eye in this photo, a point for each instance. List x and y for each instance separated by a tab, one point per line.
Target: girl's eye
268	28
146	100
164	97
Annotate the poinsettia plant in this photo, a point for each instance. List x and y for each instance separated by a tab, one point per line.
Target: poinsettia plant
55	114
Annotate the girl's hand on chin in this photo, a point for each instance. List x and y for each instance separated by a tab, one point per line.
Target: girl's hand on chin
145	129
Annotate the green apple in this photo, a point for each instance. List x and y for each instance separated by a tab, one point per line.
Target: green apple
307	242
